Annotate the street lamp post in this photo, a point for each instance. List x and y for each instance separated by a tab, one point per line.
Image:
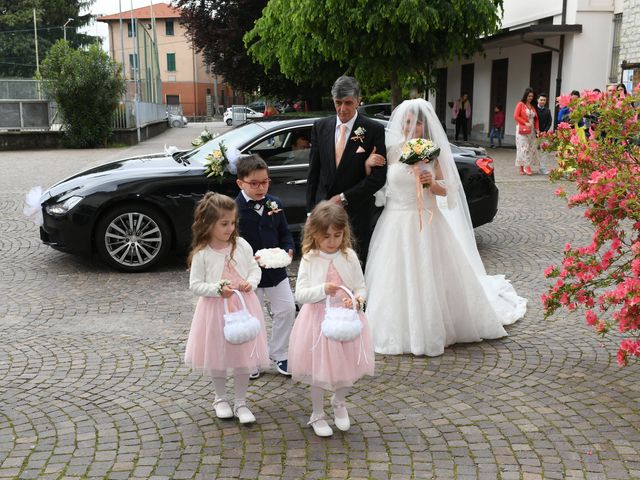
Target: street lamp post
64	28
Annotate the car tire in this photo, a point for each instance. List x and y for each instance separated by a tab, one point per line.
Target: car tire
132	237
176	123
228	121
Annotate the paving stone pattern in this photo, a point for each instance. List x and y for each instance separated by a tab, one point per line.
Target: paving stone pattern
92	383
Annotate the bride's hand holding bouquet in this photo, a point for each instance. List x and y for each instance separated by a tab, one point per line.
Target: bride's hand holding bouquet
419	152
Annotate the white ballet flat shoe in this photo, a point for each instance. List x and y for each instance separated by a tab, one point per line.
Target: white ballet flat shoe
222	408
340	415
320	426
244	415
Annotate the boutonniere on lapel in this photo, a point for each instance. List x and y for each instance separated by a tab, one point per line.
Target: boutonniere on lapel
358	134
272	207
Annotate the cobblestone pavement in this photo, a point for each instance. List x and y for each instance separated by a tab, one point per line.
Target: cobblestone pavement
92	384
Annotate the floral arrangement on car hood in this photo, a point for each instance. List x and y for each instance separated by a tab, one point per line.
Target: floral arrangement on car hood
220	160
203	138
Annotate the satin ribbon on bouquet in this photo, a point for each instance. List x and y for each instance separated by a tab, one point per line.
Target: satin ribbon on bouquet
419	196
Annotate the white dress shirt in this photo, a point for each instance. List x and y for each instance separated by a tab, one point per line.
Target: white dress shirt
248	198
349	125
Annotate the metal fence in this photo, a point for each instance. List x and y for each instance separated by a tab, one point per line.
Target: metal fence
25	106
125	114
21	89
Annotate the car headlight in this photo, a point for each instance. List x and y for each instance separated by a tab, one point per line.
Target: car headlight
61	208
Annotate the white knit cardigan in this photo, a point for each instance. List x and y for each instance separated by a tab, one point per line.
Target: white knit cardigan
207	266
312	276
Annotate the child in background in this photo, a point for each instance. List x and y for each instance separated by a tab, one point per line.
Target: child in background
328	262
221	261
497	126
263	224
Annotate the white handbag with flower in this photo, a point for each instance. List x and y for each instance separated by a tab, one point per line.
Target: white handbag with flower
239	326
341	324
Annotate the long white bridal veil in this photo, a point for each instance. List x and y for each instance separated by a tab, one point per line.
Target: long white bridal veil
402	127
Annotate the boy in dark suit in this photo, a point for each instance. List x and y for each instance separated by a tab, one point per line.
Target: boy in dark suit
262	223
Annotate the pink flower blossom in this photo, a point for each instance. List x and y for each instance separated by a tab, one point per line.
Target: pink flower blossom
635	267
591	318
563	100
591	96
621	358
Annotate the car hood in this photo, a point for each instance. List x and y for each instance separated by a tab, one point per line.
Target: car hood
159	164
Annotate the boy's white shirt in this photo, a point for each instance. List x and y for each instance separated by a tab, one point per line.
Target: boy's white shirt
312	275
207	266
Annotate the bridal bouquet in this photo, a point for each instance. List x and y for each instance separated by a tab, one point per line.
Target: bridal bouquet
273	258
419	150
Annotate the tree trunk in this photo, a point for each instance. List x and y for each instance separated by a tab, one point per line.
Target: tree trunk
396	92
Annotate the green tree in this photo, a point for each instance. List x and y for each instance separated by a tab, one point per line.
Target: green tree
217	28
17	42
378	41
86	85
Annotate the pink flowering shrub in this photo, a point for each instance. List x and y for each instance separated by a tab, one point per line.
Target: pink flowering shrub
602	157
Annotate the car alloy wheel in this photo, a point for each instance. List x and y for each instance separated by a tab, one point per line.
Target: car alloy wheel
228	122
176	123
133	238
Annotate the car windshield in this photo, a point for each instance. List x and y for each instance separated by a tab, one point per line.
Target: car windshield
236	138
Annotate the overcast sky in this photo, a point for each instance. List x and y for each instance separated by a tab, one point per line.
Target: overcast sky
109	7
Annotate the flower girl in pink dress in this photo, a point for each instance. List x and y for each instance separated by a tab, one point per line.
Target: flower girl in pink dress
221	261
327	263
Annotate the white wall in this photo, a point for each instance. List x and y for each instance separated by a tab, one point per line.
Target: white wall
519	12
518	77
586	64
588	55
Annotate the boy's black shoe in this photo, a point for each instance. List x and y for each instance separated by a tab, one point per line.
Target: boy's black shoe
282	367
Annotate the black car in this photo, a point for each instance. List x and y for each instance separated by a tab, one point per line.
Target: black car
376	110
132	212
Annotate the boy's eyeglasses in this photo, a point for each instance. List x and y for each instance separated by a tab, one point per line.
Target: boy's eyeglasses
255	184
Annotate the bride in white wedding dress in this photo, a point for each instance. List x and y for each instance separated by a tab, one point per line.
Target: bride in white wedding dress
427	286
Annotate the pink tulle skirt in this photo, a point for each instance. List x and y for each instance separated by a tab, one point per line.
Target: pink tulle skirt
207	349
325	363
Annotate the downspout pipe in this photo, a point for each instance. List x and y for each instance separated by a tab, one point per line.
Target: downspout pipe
560	62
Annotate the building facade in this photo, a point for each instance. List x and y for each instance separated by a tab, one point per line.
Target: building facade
630	43
554	47
137	36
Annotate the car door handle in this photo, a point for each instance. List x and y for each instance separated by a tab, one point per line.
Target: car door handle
297	182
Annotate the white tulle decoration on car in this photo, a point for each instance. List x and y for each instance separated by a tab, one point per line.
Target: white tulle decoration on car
273	258
32	207
233	154
171	150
